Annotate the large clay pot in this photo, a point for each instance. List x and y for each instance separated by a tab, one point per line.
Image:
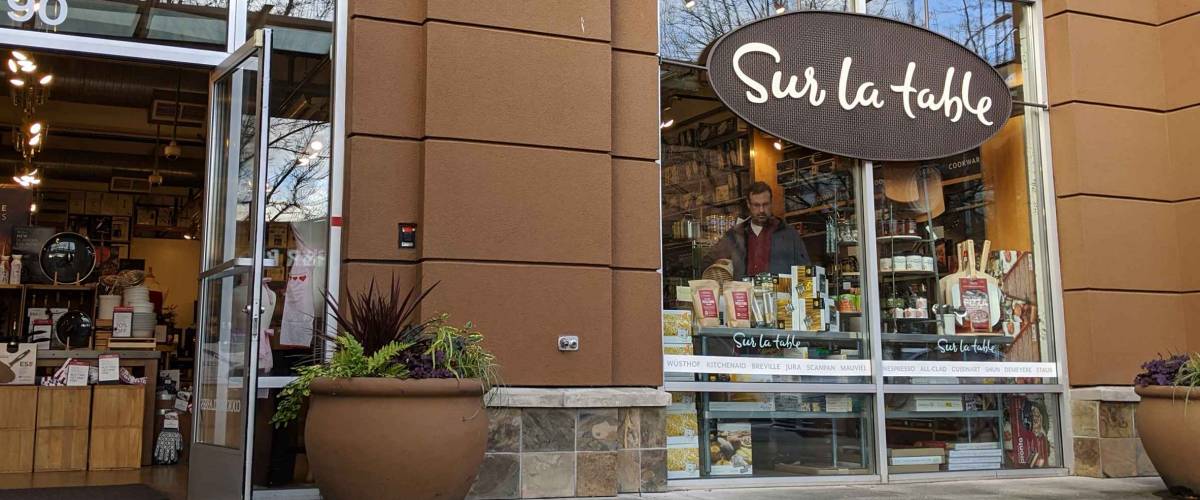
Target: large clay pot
1171	435
371	438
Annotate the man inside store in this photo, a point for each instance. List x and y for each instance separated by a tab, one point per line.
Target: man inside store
763	243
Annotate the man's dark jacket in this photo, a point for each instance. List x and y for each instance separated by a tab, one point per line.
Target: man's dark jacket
787	249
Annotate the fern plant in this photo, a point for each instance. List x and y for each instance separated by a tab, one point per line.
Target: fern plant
378	338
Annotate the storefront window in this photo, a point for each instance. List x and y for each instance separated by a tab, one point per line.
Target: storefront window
971	432
191	23
940	265
727	435
722	180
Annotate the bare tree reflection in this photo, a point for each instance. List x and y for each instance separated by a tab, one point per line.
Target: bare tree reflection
686	31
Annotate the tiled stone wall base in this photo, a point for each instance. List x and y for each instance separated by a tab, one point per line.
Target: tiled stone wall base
1105	435
541	452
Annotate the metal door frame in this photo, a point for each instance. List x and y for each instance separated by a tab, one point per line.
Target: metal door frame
257	46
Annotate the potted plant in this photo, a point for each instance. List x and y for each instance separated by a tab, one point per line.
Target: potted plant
1170	431
397	410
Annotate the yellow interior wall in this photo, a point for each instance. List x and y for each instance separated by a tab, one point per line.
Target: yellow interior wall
1003	158
176	265
763	157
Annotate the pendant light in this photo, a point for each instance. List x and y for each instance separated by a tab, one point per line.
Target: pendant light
173	151
156	178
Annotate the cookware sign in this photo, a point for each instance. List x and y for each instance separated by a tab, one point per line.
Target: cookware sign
859	86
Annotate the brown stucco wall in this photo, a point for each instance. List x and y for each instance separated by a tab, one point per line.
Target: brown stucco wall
1124	85
521	137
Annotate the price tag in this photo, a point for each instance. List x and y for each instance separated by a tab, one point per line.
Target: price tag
837	404
171	421
77	375
110	368
182	400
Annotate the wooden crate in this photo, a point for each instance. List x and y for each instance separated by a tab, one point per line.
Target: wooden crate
61	440
117	416
18	423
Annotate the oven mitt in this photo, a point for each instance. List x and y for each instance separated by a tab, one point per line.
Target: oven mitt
166	450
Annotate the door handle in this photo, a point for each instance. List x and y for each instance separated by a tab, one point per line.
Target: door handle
250	308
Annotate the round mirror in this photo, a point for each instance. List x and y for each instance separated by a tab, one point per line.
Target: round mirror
68	258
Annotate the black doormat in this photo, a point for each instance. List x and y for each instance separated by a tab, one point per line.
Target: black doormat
121	492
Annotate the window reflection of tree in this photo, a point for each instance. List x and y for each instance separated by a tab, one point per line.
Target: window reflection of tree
301	9
986	27
687	31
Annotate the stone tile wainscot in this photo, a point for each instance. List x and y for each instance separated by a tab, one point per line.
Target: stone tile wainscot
545	443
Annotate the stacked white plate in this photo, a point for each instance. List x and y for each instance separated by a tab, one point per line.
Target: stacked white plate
144	319
143	325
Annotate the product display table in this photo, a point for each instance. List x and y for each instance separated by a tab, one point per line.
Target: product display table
146	360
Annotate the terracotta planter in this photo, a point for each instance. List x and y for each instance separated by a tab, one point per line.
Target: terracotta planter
1171	435
382	438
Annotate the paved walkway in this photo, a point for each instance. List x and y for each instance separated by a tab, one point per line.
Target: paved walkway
1047	488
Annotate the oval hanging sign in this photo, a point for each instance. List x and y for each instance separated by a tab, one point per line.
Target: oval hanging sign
859	86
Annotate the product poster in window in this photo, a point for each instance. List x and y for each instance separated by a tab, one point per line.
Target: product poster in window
1027	440
731	449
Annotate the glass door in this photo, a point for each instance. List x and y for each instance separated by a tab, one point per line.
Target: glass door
231	273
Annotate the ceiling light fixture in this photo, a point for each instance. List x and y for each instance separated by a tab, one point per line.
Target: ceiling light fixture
687	4
20	56
667	123
12	66
17	82
778	145
46	80
316	146
780	6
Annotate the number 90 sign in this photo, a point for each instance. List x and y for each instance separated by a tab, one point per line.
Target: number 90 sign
24	10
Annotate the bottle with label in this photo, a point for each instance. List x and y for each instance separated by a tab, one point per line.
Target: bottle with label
3	269
14	274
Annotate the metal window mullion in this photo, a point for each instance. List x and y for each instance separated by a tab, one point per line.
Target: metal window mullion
1037	48
869	270
337	169
113	48
974	389
769	387
236	25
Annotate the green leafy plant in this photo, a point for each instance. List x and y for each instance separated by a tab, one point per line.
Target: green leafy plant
378	338
1189	374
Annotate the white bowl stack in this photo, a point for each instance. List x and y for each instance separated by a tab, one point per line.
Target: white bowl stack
144	319
107	304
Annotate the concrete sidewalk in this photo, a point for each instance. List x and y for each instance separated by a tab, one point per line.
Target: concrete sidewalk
1048	488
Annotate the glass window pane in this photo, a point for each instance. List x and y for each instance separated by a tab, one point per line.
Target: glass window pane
300	25
686	27
223	375
744	209
772	226
230	221
190	23
964	432
909	11
727	435
976	215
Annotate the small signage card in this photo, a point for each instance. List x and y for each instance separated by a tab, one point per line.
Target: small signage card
110	369
77	375
122	322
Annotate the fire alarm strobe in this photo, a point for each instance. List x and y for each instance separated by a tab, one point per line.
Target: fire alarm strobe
408	235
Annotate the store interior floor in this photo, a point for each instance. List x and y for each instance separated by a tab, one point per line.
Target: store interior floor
171	480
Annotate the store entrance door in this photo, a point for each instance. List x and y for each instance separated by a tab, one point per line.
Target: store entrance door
231	274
